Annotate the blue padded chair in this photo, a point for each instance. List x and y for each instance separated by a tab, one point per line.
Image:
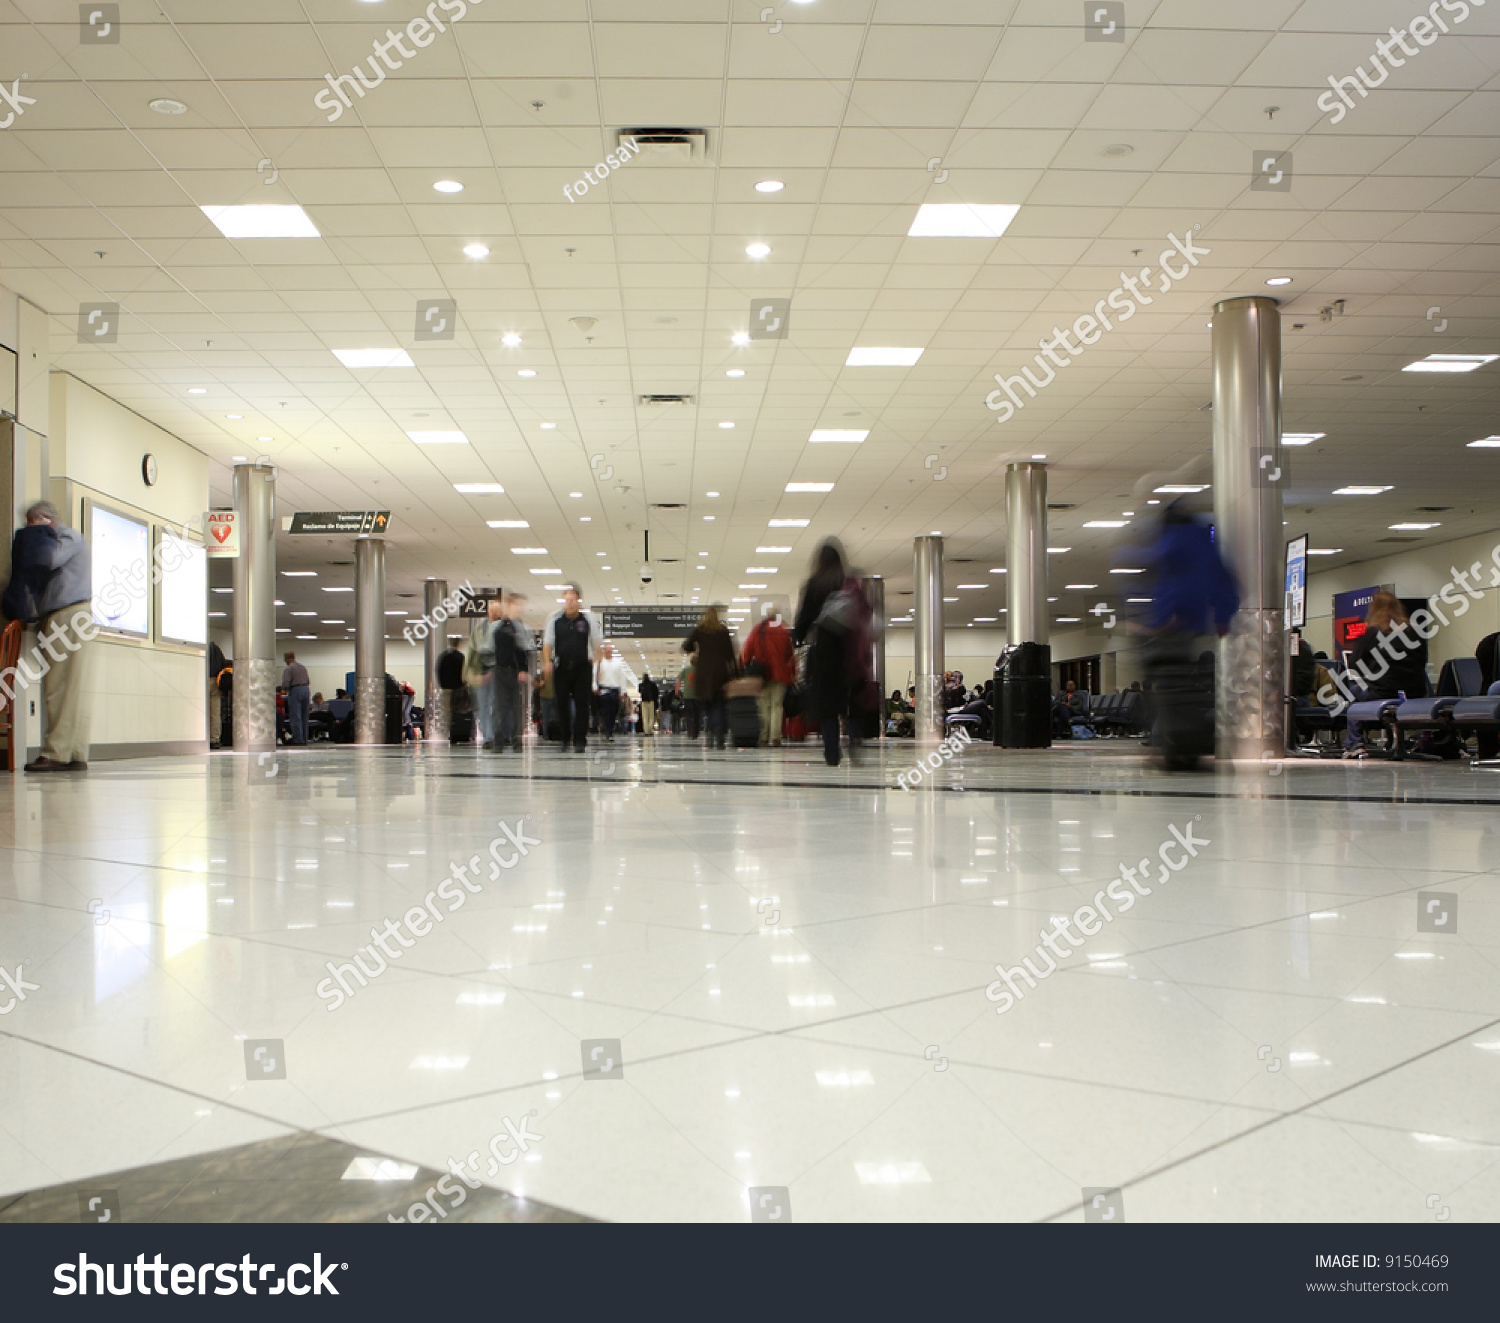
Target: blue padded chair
1458	679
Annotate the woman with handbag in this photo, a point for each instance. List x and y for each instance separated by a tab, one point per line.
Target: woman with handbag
835	620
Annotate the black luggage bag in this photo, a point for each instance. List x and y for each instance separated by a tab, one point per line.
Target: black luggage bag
1182	708
744	722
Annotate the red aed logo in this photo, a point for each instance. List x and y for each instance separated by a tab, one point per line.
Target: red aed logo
222	531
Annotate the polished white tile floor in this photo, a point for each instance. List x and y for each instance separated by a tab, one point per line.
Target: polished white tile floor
794	961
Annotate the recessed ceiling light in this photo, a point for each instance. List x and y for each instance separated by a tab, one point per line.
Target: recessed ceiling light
1485	443
551	570
809	486
882	356
197	390
726	426
787	523
240	459
165	105
1279	280
997	571
265	438
234	417
479	488
761	585
1324	551
1360	491
549	427
525	372
763	551
1301	438
769	186
439	438
1450	362
262	221
769	569
299	574
972	585
1039	457
448	186
740	338
1411	528
531	551
960	220
757	250
1178	488
338	590
708	519
1122	571
1105	523
735	372
847	436
510	340
711	494
373	358
507	523
476	250
577	496
1057	551
1079	587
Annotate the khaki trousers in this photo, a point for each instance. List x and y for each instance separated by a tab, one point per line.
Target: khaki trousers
648	718
66	686
771	697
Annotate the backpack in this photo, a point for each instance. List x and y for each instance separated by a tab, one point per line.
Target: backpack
839	613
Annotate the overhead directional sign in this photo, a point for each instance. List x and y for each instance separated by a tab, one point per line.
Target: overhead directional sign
340	521
650	622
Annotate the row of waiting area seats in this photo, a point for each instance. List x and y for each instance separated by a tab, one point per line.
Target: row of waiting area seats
1118	714
1461	706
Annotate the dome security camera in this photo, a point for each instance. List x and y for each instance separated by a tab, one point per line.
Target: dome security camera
647	573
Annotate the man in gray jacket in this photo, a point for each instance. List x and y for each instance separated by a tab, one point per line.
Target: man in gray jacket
65	629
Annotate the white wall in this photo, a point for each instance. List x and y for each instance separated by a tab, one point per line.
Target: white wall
1419	572
149	698
328	663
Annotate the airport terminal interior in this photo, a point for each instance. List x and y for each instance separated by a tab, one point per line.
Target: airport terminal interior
830	611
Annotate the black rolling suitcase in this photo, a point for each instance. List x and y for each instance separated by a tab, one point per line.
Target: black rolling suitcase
1182	706
744	722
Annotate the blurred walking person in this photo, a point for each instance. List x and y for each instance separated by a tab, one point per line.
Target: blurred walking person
479	671
512	674
570	652
769	655
649	693
1193	592
613	677
835	620
713	667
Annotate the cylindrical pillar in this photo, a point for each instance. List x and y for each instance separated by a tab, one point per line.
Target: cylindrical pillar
369	641
256	669
434	699
927	613
1248	478
1026	553
875	592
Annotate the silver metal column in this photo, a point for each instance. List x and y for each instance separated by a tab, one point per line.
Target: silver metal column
1248	478
369	641
927	610
257	670
434	699
875	591
1026	554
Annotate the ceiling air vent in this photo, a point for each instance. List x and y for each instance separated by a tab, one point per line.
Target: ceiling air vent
665	399
669	505
662	146
1061	507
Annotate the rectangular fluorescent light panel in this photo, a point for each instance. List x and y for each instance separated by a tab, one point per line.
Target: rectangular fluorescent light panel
1359	491
1411	528
1301	438
809	486
838	436
507	523
479	488
787	523
760	569
882	357
554	570
1324	551
771	551
1485	443
1106	523
439	438
1182	488
373	358
262	221
1450	362
962	220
